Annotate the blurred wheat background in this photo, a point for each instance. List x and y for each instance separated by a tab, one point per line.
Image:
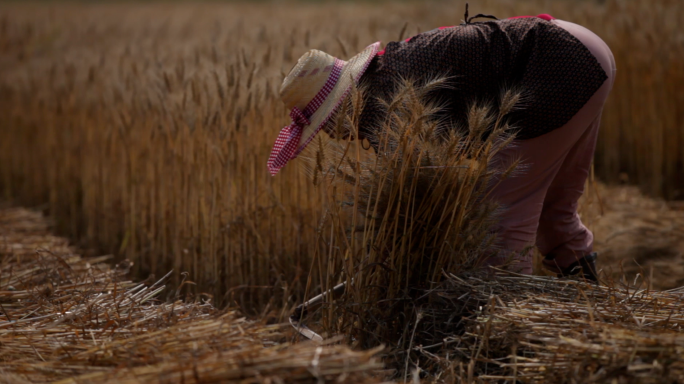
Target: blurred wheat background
144	129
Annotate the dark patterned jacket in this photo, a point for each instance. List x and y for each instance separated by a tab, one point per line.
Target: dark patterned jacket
556	72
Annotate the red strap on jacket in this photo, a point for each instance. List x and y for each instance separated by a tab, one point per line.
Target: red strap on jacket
544	16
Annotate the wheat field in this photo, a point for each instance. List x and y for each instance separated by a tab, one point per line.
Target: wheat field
144	129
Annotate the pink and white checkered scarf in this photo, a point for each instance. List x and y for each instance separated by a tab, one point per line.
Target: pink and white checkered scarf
287	146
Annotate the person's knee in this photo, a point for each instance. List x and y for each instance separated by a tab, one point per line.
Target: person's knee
516	235
561	217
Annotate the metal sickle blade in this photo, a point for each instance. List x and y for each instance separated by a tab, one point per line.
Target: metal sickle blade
302	311
305	331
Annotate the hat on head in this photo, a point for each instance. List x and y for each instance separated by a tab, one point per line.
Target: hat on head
313	91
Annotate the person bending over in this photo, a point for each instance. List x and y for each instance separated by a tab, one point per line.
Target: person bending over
565	73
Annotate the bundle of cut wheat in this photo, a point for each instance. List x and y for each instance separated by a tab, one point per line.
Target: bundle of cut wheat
544	329
416	210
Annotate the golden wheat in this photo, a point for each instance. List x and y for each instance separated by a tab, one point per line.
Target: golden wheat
144	129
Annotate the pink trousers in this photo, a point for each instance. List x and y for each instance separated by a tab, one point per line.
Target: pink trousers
540	201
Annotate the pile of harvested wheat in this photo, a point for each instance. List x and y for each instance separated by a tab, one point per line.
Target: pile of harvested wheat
74	319
543	329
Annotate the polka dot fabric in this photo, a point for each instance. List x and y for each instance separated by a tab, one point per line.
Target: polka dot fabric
555	72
